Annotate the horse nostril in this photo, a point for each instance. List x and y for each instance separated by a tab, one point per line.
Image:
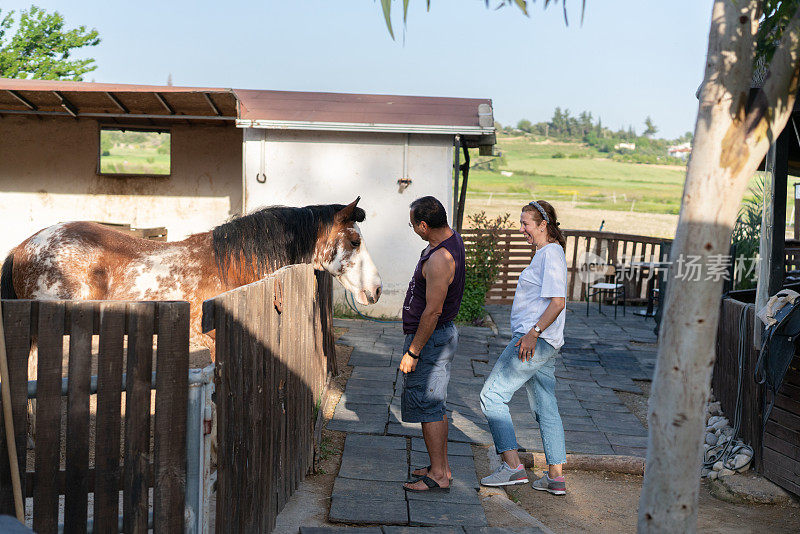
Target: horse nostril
378	293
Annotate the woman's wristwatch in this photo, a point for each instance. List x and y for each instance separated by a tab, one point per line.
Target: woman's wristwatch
537	329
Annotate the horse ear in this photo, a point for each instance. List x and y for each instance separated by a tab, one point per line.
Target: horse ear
346	213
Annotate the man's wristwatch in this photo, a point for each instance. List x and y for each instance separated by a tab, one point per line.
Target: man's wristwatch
537	329
415	356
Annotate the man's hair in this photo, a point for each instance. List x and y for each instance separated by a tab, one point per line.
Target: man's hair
430	210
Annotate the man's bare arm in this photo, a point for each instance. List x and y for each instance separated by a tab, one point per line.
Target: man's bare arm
439	271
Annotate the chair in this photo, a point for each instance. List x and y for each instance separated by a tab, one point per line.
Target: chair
614	290
666	247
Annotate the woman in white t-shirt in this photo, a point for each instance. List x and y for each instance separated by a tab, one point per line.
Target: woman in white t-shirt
537	323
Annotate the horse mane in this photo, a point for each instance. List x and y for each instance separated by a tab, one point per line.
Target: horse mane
273	237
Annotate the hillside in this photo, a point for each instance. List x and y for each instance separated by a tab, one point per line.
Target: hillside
587	187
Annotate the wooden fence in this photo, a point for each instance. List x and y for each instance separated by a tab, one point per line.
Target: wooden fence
271	369
777	456
612	249
163	469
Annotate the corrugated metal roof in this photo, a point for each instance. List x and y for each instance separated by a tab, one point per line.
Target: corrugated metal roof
339	108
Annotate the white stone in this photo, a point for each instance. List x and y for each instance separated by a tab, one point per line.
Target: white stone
713	475
720	423
704	472
713	419
728	431
711	439
714	408
740	460
717	466
743	469
725	472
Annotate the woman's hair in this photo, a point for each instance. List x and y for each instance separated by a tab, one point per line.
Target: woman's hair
553	230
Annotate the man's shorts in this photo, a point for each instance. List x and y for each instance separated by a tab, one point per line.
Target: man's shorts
425	388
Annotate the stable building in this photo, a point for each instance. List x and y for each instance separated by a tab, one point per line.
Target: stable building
224	152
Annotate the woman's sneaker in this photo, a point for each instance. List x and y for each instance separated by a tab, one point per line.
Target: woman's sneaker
505	476
556	486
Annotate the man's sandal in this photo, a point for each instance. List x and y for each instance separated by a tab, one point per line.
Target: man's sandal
433	486
415	478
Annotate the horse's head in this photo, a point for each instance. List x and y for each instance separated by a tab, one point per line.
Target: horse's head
341	251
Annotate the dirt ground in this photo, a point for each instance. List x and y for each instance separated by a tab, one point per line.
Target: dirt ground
637	403
608	502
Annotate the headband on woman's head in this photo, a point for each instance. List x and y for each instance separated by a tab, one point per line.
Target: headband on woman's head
541	210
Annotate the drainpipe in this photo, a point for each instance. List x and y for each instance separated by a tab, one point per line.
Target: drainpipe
463	197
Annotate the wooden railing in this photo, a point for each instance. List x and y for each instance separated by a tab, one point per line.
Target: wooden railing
271	367
612	248
119	369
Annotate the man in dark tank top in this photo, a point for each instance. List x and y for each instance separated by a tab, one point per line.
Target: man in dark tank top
432	302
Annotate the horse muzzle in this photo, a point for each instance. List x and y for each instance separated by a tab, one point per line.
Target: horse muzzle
367	296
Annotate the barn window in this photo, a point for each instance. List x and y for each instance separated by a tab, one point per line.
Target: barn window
134	152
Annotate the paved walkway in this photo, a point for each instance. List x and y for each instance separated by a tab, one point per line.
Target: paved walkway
600	355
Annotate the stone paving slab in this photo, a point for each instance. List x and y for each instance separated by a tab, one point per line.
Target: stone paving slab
374	465
421	459
374	426
629	451
422	530
368	490
386	443
453	448
374	373
366	398
431	513
340	530
460	493
348	510
503	530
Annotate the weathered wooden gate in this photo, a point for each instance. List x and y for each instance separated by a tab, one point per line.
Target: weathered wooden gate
271	368
132	469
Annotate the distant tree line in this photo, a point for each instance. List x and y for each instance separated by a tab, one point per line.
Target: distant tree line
565	127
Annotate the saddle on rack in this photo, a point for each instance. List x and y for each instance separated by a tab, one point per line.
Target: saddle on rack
782	317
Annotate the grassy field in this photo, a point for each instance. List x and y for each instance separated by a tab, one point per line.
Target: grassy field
125	161
134	152
585	187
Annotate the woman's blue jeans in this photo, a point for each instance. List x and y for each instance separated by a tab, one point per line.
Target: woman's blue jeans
538	376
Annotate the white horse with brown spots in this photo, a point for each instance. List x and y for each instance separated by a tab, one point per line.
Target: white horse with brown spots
88	261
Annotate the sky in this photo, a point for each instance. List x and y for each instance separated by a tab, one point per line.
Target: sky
628	60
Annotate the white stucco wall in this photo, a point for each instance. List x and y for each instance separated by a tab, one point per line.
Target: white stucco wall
48	174
304	167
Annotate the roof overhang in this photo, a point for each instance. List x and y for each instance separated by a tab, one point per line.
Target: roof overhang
441	129
117	103
470	118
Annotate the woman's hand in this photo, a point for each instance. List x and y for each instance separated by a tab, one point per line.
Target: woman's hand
527	346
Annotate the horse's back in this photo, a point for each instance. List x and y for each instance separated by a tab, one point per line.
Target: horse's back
73	260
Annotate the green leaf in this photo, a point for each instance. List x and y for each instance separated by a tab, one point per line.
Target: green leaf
387	14
405	10
523	5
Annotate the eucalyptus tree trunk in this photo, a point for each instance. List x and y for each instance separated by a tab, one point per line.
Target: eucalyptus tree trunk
731	138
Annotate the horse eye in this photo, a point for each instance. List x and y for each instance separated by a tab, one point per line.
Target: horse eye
355	243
